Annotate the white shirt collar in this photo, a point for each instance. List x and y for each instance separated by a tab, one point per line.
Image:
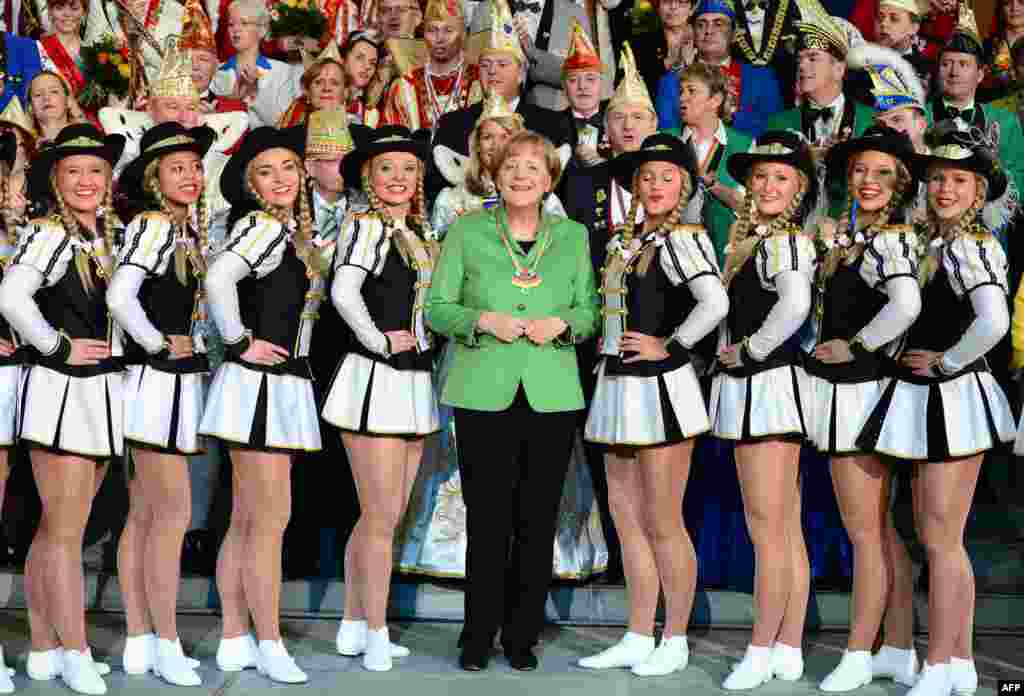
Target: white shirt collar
720	135
836	104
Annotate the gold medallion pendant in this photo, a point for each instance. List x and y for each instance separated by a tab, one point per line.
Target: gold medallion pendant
525	278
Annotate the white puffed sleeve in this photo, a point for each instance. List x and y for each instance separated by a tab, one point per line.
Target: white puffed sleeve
347	295
991	322
891	253
148	243
222	295
18	305
364	244
786	316
123	303
896	316
711	308
45	247
785	252
972	261
260	241
688	254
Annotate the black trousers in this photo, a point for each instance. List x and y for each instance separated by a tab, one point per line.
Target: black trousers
513	465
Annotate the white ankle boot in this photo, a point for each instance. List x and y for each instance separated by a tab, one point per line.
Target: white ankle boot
377	657
897	664
236	654
671	655
102	668
754	670
787	662
964	676
934	680
139	654
44	665
853	672
172	666
275	663
6	683
630	651
351	640
79	673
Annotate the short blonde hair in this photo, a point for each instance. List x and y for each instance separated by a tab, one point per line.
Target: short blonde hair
717	83
527	139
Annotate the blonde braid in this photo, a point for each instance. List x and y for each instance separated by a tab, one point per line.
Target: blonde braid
743	244
151	185
302	239
6	206
630	223
72	230
967	220
110	223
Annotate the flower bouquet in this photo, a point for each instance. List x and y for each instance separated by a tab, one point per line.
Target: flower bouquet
107	66
297	18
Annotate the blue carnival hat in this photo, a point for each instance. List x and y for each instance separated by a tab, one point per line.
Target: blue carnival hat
714	7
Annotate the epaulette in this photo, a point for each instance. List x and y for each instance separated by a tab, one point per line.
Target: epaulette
47	222
154	215
688	228
904	228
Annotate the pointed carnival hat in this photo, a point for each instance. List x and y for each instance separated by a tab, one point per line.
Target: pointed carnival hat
818	29
331	52
445	11
174	78
327	134
894	82
196	29
14	115
496	106
582	55
631	89
965	38
502	37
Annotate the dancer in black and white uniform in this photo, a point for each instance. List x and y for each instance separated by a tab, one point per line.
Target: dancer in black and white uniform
10	357
264	289
944	410
760	397
868	296
382	396
155	297
53	295
661	281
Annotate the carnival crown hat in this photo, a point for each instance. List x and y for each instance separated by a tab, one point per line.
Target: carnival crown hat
379	141
327	134
330	53
704	7
965	37
76	139
785	146
160	140
14	115
233	184
196	29
659	147
502	37
631	89
8	148
877	138
894	82
969	150
817	29
445	11
581	55
174	78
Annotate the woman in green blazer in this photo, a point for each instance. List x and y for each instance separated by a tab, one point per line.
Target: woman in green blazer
515	290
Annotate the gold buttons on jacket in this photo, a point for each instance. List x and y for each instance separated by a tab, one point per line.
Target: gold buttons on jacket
521	307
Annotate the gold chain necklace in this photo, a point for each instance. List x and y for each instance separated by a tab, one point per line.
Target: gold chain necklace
763	58
524	277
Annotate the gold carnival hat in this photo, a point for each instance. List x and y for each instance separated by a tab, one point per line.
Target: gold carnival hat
894	82
175	76
445	11
196	29
330	52
496	106
502	37
818	29
582	55
14	115
327	134
965	38
631	89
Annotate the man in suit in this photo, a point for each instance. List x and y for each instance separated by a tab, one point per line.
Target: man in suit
826	115
545	30
756	87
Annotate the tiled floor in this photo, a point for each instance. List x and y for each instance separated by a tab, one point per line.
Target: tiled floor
432	669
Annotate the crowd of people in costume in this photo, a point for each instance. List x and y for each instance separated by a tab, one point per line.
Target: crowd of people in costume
495	241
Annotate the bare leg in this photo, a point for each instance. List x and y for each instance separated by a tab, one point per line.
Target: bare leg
234	612
166	484
625	491
947	490
792	630
664	472
768	475
66	485
898	627
861	484
265	486
131	554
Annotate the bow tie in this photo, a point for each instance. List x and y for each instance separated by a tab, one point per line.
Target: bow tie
966	115
521	6
594	121
824	113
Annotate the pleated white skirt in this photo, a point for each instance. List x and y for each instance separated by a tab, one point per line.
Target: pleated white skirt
642	411
162	409
259	410
371	397
768	404
839	411
10	385
75	415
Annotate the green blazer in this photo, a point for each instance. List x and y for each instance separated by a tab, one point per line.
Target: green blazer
863	116
474	275
718	217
